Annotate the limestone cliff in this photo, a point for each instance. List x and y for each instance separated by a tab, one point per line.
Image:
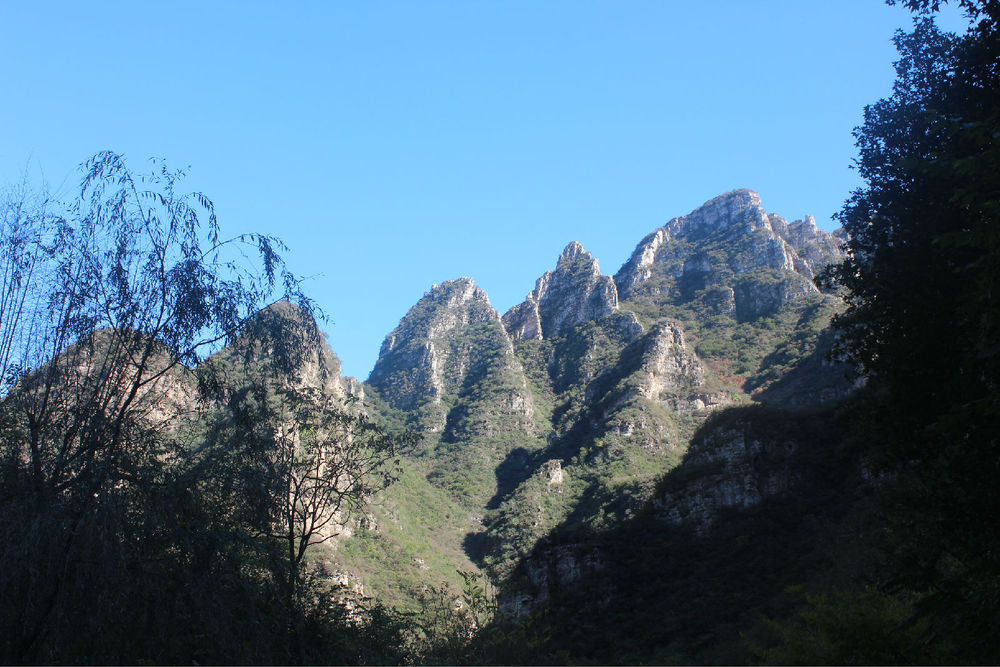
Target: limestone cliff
414	363
451	339
746	262
573	293
450	369
669	370
733	466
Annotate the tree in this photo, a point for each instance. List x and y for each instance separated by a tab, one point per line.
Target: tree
105	302
330	464
922	271
313	454
113	295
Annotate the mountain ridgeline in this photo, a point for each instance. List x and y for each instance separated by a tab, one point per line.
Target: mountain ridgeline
629	447
568	446
755	443
562	416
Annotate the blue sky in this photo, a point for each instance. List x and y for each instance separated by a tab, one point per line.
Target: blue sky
394	145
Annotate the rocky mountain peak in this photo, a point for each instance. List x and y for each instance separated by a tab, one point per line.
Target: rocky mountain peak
452	293
449	340
451	304
573	293
573	250
722	245
732	208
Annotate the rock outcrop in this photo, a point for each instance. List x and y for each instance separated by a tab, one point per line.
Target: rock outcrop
450	367
444	337
668	367
728	467
744	261
549	570
573	293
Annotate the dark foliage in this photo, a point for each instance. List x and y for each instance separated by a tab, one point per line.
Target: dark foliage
662	593
129	536
922	323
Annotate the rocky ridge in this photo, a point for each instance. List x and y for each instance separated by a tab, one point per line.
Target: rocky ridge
414	361
442	345
450	369
587	391
752	262
575	292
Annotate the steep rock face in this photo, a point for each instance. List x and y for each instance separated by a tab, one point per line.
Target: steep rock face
666	377
668	366
450	368
738	460
420	363
734	468
814	246
548	570
573	293
751	261
623	401
763	296
409	520
668	374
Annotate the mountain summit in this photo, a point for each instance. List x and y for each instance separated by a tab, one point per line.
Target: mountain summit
749	261
574	292
565	413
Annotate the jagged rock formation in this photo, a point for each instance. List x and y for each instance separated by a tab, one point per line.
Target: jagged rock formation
549	570
442	345
450	367
566	412
668	366
737	468
748	262
662	376
415	363
565	415
573	293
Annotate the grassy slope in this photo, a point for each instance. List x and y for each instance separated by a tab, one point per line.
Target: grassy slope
418	542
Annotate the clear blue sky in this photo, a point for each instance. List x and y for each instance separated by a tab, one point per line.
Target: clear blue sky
394	145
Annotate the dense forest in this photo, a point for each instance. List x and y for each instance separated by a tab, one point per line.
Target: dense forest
764	444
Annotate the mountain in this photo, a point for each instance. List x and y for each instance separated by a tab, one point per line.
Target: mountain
450	368
405	537
765	508
731	254
575	292
740	281
583	410
612	447
564	414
